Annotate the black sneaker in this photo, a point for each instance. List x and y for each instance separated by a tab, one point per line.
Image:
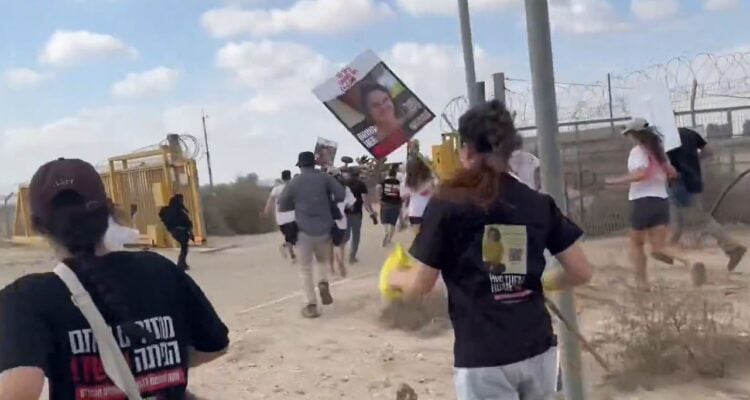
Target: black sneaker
353	260
310	311
735	256
325	293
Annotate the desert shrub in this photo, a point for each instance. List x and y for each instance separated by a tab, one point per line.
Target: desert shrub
673	331
235	208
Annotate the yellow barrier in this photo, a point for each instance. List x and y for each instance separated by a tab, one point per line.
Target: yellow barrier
145	179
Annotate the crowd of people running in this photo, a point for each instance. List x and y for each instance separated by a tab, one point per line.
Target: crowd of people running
109	322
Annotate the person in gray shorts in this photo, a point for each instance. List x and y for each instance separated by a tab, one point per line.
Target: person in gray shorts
505	345
313	195
648	175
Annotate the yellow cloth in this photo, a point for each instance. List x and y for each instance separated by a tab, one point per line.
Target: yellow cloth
397	260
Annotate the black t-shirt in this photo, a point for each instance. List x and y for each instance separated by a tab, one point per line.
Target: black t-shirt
391	192
41	327
492	263
358	189
686	160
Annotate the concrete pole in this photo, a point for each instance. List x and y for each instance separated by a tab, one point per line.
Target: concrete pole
499	86
468	47
481	93
545	106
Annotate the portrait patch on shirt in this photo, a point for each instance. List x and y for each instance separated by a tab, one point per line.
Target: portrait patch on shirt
504	256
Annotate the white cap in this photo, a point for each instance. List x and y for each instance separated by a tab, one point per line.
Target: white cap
333	171
635	125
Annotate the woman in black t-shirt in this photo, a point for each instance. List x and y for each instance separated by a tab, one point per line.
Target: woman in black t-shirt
160	319
390	204
486	233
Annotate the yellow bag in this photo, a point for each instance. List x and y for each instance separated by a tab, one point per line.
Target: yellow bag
397	260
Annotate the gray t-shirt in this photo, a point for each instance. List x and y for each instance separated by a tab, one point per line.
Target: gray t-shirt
311	195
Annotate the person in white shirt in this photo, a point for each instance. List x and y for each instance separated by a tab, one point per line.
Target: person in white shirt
649	172
417	190
340	234
525	167
285	220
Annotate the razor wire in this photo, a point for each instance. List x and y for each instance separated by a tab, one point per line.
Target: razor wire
705	81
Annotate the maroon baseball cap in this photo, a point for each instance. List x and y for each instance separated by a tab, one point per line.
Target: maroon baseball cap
62	175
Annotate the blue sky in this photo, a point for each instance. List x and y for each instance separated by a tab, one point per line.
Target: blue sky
63	103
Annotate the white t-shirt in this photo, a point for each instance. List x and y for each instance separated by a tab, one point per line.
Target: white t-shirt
418	199
349	201
524	166
117	236
655	182
282	218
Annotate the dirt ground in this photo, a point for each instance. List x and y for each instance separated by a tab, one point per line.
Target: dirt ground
351	353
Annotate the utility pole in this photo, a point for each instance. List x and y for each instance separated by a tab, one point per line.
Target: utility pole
468	47
545	107
6	210
208	152
611	106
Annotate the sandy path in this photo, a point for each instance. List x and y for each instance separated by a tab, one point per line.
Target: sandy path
348	353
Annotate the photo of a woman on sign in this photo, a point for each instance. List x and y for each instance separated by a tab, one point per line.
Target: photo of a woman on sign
380	108
374	105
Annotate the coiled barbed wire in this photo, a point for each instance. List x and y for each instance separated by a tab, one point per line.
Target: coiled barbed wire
190	145
716	80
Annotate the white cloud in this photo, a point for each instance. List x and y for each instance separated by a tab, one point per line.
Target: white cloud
66	48
24	78
720	5
153	82
585	16
317	16
273	64
450	7
246	134
654	10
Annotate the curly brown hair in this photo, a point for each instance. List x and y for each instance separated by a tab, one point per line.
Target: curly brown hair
489	130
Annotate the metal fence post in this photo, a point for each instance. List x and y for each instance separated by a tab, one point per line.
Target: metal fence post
498	81
545	107
468	48
480	92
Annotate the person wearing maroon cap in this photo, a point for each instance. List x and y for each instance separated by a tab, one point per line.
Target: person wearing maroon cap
158	317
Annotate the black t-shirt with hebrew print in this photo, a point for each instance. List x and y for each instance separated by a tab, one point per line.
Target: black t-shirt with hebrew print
492	263
41	327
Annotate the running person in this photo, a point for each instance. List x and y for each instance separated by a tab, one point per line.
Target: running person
176	219
417	190
161	319
312	196
340	233
486	233
285	220
649	172
390	205
687	190
354	214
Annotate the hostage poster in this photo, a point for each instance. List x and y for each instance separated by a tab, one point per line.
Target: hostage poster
374	105
325	152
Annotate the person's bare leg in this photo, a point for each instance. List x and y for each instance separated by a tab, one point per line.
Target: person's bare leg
638	256
657	238
332	259
340	253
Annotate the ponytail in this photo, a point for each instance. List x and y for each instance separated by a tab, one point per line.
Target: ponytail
79	229
488	130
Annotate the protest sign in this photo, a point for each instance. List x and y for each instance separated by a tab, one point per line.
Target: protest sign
325	152
374	105
651	101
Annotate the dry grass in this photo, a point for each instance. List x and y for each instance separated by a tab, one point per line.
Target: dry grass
673	332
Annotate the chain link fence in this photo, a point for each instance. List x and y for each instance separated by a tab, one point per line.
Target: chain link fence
594	150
